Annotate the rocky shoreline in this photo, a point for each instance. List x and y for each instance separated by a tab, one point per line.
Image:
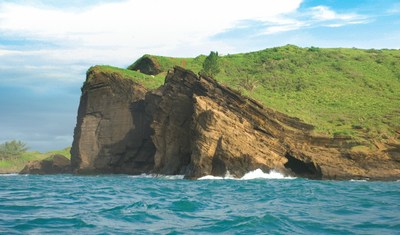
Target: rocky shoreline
194	126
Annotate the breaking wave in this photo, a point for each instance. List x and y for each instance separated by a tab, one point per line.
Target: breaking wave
256	174
168	177
13	174
354	180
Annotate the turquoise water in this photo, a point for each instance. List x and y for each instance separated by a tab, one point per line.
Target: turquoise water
66	204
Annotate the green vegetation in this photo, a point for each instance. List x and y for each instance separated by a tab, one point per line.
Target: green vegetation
15	165
12	149
211	65
148	81
167	63
341	91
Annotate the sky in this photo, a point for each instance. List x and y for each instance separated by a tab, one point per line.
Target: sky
46	46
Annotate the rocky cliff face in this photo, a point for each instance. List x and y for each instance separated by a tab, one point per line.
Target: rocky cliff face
194	126
112	134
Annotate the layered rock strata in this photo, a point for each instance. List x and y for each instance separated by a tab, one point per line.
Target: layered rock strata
194	126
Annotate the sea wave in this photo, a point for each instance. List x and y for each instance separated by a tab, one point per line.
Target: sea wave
159	176
118	204
259	174
12	174
256	174
353	180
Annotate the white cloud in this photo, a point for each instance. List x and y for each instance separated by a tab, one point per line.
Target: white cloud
4	52
124	27
118	33
283	27
336	25
324	13
394	9
314	17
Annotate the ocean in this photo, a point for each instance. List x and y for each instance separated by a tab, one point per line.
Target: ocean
256	204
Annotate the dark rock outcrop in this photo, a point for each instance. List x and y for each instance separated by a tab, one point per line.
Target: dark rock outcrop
55	164
112	134
194	126
146	65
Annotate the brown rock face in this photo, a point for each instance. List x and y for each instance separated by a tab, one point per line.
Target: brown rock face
172	109
194	126
56	164
112	134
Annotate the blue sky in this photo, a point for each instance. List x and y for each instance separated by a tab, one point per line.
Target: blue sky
46	46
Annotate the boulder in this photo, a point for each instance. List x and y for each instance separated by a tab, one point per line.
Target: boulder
147	65
55	164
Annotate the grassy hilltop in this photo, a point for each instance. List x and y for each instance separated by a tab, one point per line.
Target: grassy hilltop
350	92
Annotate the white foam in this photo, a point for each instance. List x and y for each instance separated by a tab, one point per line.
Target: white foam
256	174
259	174
353	180
211	177
12	174
141	176
169	177
227	176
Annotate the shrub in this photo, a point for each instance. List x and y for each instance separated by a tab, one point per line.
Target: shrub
211	65
314	49
12	149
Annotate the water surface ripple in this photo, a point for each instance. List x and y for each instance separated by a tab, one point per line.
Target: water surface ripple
68	204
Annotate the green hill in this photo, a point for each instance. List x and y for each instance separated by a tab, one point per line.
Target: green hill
341	91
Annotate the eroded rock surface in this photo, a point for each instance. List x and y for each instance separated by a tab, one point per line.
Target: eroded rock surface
194	126
112	134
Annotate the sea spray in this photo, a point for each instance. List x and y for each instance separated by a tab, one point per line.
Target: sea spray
259	174
11	174
159	176
353	180
256	174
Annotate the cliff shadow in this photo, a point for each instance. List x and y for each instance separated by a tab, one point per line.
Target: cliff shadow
302	168
134	154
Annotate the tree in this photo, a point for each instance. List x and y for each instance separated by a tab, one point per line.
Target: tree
211	65
12	148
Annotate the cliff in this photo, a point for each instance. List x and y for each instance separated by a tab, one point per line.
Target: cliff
193	125
112	134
